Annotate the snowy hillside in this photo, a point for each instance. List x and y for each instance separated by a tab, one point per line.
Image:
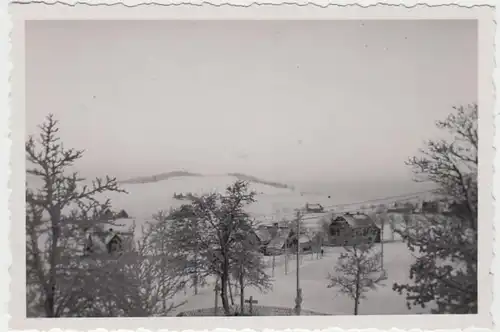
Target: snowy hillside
145	199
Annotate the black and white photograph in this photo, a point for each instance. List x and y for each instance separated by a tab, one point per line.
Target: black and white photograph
187	168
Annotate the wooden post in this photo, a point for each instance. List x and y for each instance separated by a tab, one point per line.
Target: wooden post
251	302
286	255
274	262
298	302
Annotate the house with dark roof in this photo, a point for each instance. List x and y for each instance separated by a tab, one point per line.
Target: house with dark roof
113	240
314	208
263	235
349	229
276	246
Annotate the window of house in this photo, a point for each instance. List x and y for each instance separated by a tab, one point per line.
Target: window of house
335	232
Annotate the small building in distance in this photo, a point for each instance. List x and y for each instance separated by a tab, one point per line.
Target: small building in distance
349	229
113	242
314	208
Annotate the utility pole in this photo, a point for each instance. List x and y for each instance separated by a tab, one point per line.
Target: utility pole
286	247
274	261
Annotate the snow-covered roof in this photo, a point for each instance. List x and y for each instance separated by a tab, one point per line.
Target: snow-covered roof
277	243
357	220
122	225
109	237
263	234
314	206
96	242
304	239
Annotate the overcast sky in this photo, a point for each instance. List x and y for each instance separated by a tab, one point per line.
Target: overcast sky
292	101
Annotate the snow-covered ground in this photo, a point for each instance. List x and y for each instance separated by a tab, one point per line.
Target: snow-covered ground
143	200
273	204
313	281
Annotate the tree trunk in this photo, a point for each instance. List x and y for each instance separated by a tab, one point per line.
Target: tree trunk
224	282
196	250
230	292
356	294
242	292
382	246
51	288
356	302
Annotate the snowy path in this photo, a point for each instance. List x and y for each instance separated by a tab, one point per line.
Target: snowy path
316	296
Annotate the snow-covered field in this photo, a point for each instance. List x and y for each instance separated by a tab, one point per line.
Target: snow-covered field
145	199
316	296
272	204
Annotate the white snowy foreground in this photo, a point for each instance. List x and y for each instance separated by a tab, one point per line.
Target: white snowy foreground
316	296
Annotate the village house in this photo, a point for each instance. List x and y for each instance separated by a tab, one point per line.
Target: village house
314	208
113	240
263	237
276	246
349	229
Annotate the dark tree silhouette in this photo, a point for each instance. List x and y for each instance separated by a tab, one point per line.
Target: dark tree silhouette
47	226
210	232
445	271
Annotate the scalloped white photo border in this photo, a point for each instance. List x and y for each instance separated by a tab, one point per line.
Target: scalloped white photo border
12	154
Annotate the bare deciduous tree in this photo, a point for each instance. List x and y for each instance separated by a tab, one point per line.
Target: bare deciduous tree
46	222
358	271
215	226
248	267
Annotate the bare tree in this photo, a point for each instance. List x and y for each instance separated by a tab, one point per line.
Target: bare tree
248	267
47	209
358	271
221	223
445	271
133	283
188	238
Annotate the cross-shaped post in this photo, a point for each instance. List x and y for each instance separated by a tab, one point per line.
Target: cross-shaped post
216	290
251	302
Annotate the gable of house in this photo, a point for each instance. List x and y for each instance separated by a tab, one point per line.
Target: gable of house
263	235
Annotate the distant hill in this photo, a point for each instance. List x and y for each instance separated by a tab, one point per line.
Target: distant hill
250	178
159	177
178	174
151	195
